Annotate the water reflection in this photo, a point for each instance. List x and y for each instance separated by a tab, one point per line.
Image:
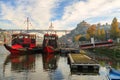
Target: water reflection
33	67
44	67
20	63
50	61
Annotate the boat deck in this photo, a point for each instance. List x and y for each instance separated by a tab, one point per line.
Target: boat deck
81	59
83	65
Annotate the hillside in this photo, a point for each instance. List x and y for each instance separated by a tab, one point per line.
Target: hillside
81	29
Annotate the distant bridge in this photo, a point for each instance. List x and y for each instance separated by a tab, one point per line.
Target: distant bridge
34	30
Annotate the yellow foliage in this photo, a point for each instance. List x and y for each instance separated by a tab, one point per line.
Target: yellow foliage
114	28
102	32
91	30
98	32
77	37
87	36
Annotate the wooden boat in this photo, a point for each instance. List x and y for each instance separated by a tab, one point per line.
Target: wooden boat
23	43
113	74
50	43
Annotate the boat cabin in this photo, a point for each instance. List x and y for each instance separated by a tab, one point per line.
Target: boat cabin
50	40
25	40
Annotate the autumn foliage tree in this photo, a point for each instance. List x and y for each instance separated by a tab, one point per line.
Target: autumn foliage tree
87	36
91	31
98	33
102	34
114	31
77	37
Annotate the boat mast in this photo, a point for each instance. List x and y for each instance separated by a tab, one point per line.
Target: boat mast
27	23
51	28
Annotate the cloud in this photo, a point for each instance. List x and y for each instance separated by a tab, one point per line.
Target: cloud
102	10
41	12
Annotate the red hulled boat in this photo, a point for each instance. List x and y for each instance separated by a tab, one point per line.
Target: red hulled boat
50	43
23	43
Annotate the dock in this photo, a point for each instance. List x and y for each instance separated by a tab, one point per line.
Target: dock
82	64
68	50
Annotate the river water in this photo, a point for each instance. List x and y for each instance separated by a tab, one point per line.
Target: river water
41	67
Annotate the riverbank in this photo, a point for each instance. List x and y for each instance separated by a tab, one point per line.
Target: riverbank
110	52
113	53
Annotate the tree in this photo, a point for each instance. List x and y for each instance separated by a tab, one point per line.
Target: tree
87	36
114	31
82	38
91	30
77	37
102	34
98	33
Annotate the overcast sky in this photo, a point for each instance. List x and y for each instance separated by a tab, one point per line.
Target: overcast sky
65	14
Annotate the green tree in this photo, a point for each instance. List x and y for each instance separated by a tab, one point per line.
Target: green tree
82	38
